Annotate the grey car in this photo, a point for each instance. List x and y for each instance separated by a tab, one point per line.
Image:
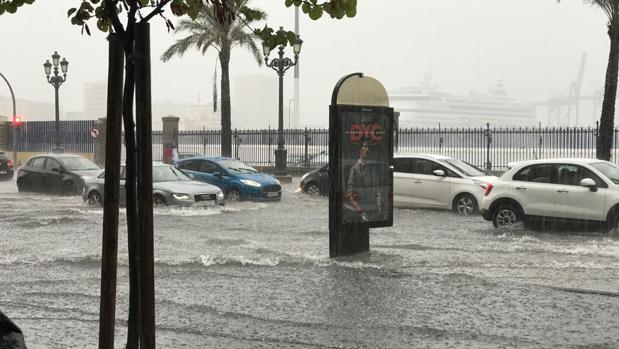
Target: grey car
170	187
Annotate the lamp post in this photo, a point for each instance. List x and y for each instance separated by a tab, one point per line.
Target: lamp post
13	123
56	80
280	65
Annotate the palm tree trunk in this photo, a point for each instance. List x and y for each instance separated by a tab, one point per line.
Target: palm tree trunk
226	118
607	120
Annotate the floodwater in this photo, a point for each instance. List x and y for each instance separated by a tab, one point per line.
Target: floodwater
257	275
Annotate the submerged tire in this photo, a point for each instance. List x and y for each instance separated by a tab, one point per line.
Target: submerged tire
465	205
159	201
505	216
21	186
312	188
94	199
233	195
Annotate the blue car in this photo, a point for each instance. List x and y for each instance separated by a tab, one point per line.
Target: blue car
236	179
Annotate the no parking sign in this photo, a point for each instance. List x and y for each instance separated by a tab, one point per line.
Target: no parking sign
94	132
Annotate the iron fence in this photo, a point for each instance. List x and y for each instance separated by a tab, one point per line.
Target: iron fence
486	147
38	136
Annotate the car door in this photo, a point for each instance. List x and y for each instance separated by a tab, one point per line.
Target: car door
575	201
404	183
51	178
431	190
534	187
34	176
204	171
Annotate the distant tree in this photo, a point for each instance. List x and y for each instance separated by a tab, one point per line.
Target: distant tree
206	31
607	119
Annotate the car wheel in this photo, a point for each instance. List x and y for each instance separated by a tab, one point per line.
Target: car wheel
505	215
94	199
21	186
233	195
159	201
312	188
612	221
465	205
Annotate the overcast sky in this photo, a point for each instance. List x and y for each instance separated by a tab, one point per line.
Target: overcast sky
534	46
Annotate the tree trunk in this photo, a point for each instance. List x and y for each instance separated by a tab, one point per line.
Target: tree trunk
109	251
226	118
133	325
607	120
143	118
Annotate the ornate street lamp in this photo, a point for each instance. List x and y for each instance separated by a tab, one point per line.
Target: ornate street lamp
280	65
56	80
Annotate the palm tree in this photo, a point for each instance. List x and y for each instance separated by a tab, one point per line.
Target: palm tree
206	32
607	120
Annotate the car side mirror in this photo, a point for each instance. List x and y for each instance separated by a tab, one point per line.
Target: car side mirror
589	183
217	174
57	169
439	173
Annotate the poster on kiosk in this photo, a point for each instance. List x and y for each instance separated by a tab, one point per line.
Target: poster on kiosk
365	155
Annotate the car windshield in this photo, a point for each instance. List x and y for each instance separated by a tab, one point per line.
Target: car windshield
466	169
168	174
610	170
78	164
237	166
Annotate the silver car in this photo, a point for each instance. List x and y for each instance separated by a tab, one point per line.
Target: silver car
170	187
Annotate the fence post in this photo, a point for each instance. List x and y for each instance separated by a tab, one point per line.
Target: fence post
306	139
488	141
236	144
440	139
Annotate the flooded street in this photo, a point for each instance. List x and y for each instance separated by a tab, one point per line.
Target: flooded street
258	275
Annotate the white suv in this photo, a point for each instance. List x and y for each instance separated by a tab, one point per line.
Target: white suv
437	181
556	189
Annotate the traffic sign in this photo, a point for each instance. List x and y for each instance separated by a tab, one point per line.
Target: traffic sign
95	132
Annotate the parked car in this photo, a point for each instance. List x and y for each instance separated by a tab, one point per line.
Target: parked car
554	190
316	182
6	167
56	173
238	180
438	181
424	181
170	187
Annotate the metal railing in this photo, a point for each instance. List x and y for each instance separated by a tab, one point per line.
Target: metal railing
486	147
38	136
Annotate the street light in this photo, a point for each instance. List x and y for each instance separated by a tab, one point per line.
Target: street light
56	80
280	65
13	123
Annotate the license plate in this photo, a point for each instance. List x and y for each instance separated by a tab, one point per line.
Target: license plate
206	197
272	194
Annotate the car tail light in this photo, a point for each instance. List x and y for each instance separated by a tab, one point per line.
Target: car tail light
488	189
9	163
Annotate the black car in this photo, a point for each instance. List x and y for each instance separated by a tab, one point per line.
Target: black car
56	173
316	182
6	167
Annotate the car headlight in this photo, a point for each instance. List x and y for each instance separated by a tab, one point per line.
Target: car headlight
250	183
481	184
220	195
181	196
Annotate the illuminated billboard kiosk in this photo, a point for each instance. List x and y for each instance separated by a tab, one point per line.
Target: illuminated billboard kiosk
360	154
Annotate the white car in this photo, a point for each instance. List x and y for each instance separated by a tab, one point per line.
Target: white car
437	181
556	189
